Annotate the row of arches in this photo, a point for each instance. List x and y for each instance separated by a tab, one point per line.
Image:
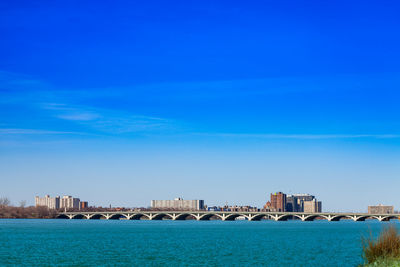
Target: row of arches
224	217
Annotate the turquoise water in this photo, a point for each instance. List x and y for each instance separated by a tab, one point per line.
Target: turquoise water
182	243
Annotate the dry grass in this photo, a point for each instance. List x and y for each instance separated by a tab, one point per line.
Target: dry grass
386	246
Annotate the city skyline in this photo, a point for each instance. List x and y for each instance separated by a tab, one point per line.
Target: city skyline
223	101
279	201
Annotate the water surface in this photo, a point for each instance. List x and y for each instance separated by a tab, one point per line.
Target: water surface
182	243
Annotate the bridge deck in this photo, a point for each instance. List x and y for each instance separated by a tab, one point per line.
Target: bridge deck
224	215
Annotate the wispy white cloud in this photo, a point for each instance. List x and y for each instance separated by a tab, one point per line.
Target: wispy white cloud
73	113
79	117
108	121
16	131
301	136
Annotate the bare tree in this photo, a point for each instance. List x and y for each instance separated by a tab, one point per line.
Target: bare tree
42	212
22	203
4	202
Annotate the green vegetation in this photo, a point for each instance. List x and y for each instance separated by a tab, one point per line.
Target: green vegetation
384	250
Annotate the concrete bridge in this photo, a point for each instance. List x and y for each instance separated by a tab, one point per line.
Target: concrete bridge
223	215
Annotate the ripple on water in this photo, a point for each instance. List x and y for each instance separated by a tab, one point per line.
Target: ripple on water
188	243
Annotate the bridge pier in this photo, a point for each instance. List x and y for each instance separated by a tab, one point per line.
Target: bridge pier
224	215
274	217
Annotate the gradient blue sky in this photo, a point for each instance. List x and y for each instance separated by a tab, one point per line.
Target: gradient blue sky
123	102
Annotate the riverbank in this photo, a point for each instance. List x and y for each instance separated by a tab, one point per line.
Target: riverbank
10	212
383	250
384	262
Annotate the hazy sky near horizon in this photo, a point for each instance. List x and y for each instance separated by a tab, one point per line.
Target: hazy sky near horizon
120	103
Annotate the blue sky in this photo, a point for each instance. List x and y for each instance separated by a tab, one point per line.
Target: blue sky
121	103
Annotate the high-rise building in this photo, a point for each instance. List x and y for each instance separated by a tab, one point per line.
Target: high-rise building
312	206
295	202
277	202
69	202
83	205
178	203
47	201
290	203
380	209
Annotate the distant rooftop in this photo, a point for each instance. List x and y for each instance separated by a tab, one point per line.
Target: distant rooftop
300	195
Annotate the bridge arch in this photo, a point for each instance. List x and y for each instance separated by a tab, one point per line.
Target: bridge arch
117	216
62	216
78	216
285	217
98	216
339	217
140	216
313	217
186	216
209	216
232	217
390	217
259	217
162	216
363	218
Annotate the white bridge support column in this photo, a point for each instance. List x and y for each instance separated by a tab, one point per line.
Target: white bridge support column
250	217
275	217
198	215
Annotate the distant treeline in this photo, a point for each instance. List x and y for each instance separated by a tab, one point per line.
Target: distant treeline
26	212
22	212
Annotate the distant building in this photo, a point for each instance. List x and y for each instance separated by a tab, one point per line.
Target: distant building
290	204
83	205
239	208
380	209
312	206
295	202
178	204
69	202
47	201
277	202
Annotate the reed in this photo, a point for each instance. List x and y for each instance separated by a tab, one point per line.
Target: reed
386	246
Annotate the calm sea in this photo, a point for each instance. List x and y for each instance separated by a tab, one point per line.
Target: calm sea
182	243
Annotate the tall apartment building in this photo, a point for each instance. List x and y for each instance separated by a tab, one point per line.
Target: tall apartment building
66	202
380	209
83	205
69	202
47	201
295	202
178	203
312	206
277	202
